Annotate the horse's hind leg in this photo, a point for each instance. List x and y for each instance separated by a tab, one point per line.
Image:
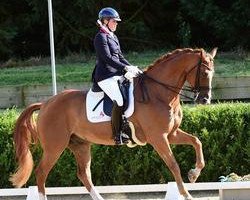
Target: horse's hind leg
47	162
51	153
82	152
181	137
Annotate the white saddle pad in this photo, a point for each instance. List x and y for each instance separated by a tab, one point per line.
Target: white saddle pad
98	114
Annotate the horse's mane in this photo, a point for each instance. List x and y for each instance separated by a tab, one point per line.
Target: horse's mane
173	54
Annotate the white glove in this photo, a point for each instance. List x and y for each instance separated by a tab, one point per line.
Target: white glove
133	70
129	76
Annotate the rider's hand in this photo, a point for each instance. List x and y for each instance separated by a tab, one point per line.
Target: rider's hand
133	70
129	75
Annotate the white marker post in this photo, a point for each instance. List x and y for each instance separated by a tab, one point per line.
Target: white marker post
33	193
52	49
173	192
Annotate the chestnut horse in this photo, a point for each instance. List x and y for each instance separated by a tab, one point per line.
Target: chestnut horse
62	121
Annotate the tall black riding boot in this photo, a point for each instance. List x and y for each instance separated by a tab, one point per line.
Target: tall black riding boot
116	123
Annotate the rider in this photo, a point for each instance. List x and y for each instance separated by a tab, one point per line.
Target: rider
110	67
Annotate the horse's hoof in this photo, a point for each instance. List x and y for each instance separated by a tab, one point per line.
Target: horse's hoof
193	174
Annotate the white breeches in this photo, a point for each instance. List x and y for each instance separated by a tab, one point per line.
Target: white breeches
111	88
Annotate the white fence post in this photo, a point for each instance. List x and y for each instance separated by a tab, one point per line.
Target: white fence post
173	192
33	193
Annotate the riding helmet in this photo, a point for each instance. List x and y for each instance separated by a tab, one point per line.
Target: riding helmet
109	13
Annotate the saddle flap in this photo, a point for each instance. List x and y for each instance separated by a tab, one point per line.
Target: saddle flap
124	88
99	105
107	105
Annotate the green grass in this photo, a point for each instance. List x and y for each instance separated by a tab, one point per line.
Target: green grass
228	65
79	70
75	72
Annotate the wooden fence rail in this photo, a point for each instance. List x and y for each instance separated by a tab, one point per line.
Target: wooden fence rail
224	88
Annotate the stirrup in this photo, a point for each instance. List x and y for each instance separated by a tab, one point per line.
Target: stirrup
121	139
125	128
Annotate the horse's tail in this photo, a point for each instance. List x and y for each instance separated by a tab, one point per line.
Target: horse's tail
24	133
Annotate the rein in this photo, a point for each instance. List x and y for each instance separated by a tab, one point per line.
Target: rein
145	96
196	89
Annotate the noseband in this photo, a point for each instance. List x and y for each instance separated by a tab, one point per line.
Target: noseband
196	89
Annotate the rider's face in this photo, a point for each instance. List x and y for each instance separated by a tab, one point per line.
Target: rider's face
112	24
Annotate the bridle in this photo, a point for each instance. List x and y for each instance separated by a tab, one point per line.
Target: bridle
196	89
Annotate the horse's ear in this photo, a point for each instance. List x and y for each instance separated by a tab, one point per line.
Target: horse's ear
213	52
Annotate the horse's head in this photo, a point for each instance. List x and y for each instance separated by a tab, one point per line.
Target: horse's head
200	77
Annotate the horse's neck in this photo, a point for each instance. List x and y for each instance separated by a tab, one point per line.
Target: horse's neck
172	73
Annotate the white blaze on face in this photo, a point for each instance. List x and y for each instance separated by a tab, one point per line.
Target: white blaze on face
210	77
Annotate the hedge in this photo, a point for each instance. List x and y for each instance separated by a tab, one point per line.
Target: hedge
223	129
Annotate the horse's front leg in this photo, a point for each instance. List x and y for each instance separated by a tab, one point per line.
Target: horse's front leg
161	145
181	137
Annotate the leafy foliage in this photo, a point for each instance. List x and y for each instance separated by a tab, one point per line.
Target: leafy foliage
24	29
226	19
223	129
7	158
